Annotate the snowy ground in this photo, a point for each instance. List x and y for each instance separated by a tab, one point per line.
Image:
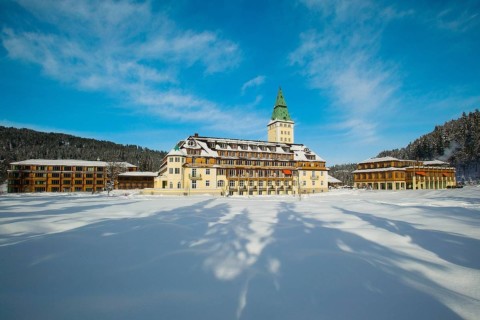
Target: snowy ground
339	255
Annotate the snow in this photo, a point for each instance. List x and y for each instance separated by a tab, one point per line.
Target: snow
345	254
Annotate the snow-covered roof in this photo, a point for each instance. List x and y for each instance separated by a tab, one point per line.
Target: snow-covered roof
139	174
382	159
73	163
177	152
379	170
209	147
333	179
435	163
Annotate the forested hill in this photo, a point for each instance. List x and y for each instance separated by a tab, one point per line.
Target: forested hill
23	144
457	141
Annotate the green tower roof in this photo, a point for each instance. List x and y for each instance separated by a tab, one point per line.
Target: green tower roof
280	111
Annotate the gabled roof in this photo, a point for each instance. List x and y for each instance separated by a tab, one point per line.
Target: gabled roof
209	146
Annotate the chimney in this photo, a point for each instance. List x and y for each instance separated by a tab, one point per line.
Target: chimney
195	135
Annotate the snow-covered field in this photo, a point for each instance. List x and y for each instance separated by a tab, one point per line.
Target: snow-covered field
339	255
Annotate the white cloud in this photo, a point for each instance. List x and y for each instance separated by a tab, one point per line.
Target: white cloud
126	49
340	58
257	81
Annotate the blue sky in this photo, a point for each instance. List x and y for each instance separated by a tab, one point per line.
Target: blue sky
359	77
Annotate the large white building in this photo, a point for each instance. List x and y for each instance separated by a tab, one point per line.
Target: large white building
221	166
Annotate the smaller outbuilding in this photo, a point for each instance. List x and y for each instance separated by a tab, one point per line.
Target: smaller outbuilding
333	182
136	180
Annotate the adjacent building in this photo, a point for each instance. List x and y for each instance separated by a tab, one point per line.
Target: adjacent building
40	175
136	180
223	166
388	173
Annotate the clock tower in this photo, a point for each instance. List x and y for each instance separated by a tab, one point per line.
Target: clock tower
281	126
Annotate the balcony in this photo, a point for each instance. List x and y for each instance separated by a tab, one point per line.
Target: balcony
195	177
314	177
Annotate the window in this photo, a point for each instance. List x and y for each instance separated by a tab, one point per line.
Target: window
194	184
40	175
88	181
56	168
232	183
170	170
55	175
67	181
177	159
55	181
41	168
177	170
220	183
78	168
260	183
67	168
170	159
221	172
78	181
78	188
78	175
179	185
194	172
207	183
242	183
207	171
304	183
89	175
313	183
99	181
250	183
171	185
91	169
99	175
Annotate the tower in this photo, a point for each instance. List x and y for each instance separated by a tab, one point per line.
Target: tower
280	127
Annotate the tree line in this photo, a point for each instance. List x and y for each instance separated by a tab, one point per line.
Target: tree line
23	144
456	141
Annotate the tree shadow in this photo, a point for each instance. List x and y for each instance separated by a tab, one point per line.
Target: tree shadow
451	247
326	273
118	269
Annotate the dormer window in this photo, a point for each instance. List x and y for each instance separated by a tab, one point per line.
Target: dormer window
191	143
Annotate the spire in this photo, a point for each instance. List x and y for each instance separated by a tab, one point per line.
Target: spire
280	110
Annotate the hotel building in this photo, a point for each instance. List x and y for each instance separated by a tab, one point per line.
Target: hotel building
222	166
39	175
389	173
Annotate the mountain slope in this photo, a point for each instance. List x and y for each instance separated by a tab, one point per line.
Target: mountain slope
457	142
22	144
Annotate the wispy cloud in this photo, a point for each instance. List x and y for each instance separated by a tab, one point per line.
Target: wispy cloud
341	59
126	49
257	81
458	18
